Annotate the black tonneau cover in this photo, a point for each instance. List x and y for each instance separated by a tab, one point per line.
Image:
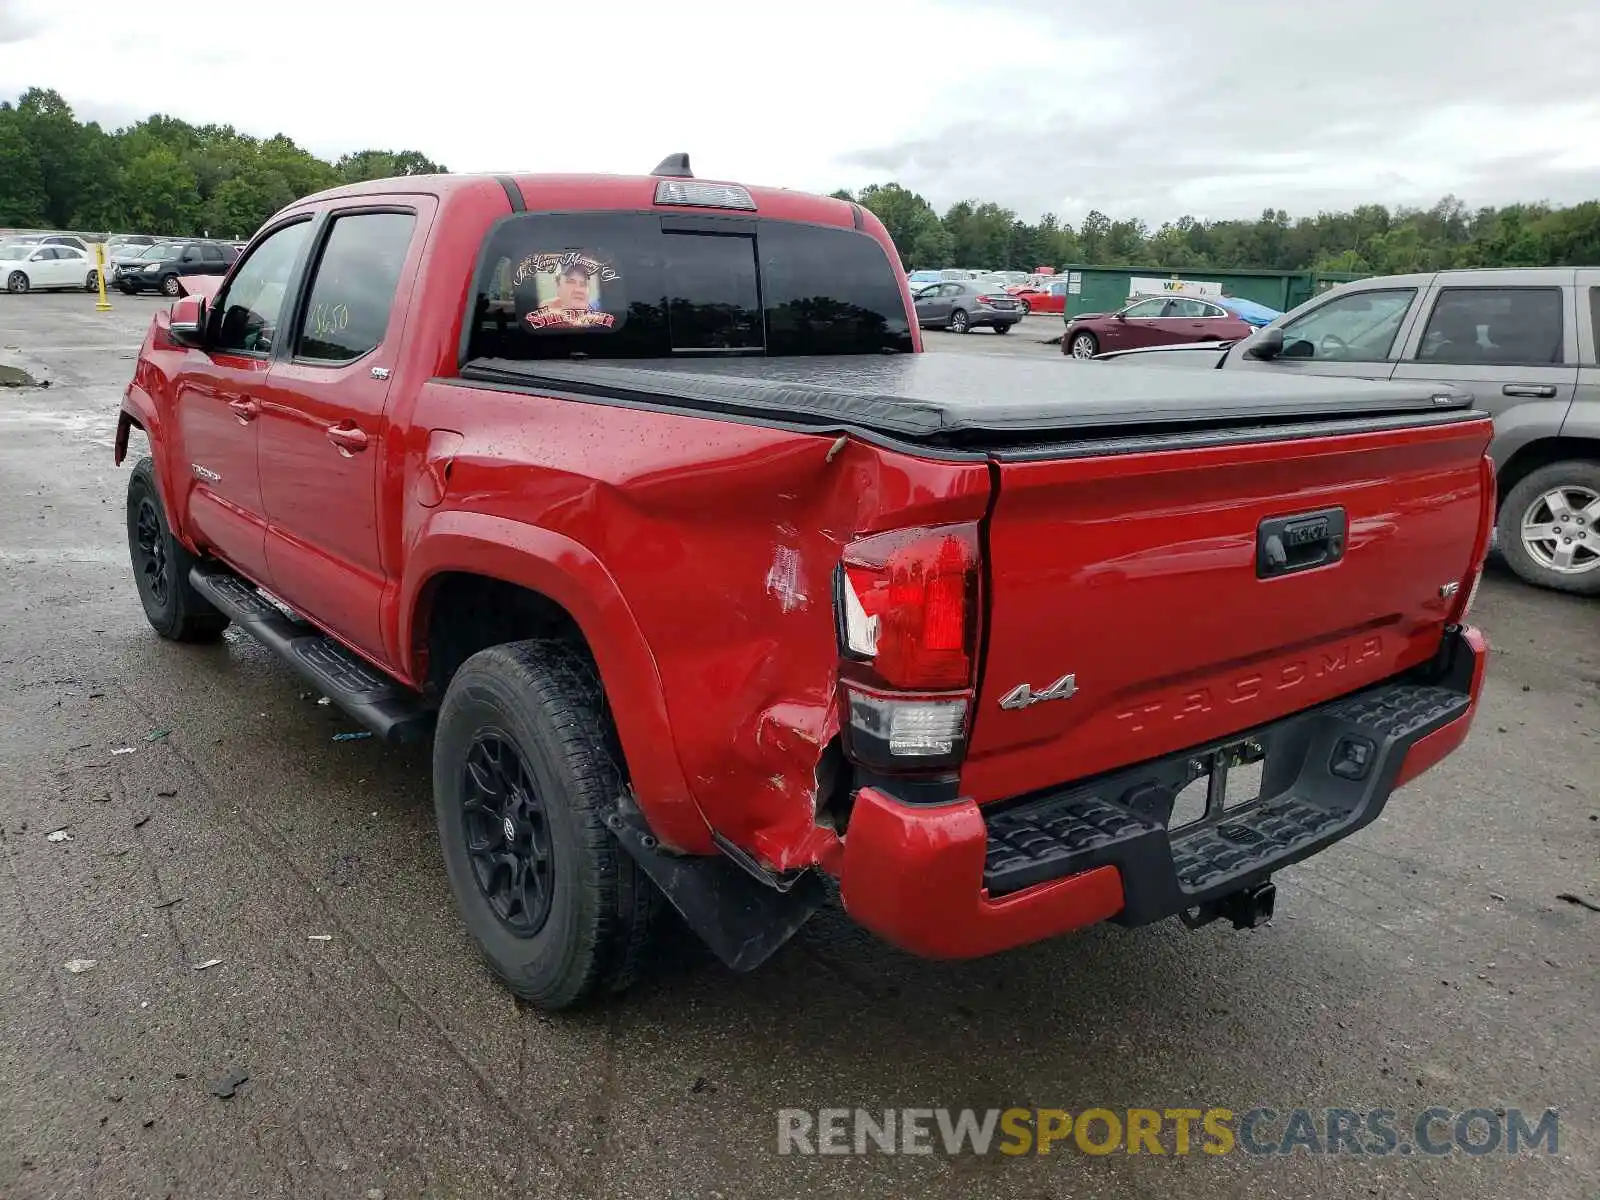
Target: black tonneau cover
973	399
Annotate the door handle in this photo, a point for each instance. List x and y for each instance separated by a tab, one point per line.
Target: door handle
245	409
348	438
1543	391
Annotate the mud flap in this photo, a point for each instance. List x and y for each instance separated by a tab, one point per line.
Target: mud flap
741	919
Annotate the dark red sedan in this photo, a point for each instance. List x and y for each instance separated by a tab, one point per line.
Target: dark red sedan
1153	321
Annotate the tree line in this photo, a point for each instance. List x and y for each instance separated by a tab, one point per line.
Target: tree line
160	175
1371	239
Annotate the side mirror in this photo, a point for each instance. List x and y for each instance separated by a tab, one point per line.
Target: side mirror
187	324
1266	345
1121	316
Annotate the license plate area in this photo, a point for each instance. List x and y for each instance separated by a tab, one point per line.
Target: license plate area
1223	781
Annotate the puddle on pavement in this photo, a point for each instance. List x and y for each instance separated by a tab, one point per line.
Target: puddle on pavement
15	377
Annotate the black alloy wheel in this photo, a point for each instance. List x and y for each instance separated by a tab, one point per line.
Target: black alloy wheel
150	551
507	833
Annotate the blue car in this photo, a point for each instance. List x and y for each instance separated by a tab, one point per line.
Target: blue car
1249	311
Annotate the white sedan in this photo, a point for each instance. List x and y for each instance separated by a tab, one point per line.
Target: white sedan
25	268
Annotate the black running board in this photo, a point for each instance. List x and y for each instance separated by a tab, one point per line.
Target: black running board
388	708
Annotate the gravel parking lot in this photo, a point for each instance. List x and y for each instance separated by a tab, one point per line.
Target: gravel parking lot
1429	960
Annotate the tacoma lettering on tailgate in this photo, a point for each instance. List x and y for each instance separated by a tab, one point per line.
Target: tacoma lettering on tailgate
1244	689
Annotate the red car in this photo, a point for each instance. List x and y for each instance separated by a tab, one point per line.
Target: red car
1153	321
702	585
1048	297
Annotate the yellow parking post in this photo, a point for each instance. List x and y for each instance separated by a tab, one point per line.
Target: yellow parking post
102	304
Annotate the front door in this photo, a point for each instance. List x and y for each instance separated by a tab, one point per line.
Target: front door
936	303
1355	334
217	402
1137	325
323	430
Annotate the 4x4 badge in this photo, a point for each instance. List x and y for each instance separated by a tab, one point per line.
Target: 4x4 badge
1022	695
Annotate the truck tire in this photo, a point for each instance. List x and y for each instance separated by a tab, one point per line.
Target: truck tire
161	567
1561	502
526	766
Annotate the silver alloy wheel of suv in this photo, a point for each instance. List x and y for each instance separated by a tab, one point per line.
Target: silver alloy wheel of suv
1561	529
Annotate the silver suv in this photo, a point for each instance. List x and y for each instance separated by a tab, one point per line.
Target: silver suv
1522	340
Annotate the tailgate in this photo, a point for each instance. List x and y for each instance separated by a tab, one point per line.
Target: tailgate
1170	586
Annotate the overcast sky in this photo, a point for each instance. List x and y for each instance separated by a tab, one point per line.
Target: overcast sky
1152	110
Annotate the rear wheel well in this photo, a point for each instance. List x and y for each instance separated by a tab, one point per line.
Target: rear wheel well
464	613
1542	453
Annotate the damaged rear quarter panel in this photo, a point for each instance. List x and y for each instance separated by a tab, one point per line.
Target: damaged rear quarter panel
723	539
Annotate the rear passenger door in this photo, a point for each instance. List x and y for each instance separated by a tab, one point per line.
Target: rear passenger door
324	434
1583	418
1188	320
212	261
1513	347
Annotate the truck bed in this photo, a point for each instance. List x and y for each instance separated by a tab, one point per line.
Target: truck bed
982	401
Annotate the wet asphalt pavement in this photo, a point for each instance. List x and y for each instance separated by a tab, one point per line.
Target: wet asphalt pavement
1426	961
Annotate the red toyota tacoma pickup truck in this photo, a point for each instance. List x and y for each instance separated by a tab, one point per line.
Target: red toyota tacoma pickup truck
637	496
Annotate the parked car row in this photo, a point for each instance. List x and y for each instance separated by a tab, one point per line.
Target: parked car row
135	262
71	241
157	268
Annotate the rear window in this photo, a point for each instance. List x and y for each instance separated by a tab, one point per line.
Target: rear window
1494	325
621	285
1594	318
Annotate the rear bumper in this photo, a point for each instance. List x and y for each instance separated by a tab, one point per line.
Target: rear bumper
991	316
957	881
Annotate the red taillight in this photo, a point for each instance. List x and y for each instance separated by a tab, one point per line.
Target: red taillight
909	605
985	299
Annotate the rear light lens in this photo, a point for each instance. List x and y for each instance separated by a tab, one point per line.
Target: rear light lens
908	621
694	194
908	605
904	731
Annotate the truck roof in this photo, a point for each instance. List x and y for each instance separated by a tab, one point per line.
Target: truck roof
978	400
592	192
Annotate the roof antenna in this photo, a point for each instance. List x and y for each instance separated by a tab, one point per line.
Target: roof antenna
674	166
